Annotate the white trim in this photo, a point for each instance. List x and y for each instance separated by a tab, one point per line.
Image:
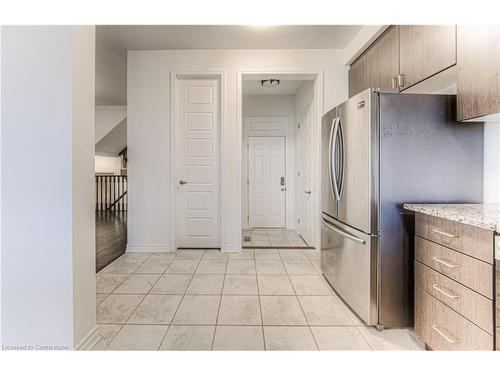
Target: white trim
315	135
90	340
149	248
175	75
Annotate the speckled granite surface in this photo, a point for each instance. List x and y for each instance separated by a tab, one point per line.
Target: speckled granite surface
485	216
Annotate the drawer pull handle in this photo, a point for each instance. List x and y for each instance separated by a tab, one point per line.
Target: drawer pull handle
435	286
450	340
445	234
451	265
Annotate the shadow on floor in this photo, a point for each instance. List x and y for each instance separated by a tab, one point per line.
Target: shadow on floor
111	236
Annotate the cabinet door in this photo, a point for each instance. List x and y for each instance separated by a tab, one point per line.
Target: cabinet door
357	76
478	65
382	60
425	51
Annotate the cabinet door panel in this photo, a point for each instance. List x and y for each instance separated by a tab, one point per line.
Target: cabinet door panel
382	60
357	77
478	63
425	51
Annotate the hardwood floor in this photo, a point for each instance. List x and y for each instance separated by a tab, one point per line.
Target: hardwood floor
111	237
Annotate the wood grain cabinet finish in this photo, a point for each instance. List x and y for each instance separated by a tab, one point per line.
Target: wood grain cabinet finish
478	65
444	329
473	273
473	241
357	76
475	307
382	60
425	50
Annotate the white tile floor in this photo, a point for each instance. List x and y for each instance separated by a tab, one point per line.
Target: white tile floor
268	238
261	299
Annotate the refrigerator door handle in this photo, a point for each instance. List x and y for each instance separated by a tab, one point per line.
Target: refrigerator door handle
342	158
343	233
332	163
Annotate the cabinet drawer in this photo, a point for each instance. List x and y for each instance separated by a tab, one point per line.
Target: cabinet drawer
473	241
473	273
443	329
475	307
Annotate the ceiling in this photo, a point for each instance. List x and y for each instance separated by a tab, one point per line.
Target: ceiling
225	37
113	142
286	87
112	42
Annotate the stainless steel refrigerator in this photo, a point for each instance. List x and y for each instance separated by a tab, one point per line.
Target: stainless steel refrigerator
380	150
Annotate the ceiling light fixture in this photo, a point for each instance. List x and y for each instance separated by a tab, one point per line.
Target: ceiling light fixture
270	82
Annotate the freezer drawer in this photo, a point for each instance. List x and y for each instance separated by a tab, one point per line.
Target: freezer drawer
349	263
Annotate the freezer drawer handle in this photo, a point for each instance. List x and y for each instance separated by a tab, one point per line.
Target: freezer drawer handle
445	234
450	340
343	233
436	286
447	264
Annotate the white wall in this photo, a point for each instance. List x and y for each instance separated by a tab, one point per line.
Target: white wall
491	162
47	233
148	117
108	164
106	118
272	105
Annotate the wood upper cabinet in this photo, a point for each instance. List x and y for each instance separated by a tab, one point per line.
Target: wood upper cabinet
478	65
425	51
357	76
382	60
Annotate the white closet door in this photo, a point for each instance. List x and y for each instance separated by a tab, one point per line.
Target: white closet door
197	163
267	184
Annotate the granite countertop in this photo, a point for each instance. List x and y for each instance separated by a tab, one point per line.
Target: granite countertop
485	216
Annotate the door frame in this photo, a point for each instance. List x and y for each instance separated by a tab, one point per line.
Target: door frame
175	77
311	148
318	77
248	174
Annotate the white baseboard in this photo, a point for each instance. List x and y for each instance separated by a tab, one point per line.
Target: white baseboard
230	249
149	249
90	339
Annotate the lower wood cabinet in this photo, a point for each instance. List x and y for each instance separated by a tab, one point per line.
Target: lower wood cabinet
454	292
472	305
444	329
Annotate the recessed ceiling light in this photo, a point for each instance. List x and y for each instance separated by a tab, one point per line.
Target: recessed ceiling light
270	82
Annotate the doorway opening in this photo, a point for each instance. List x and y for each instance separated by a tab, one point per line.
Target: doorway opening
278	178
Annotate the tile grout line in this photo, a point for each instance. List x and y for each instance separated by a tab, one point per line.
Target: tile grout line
182	298
260	304
125	279
220	303
122	324
300	304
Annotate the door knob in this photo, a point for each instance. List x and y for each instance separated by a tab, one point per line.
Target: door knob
307	191
182	182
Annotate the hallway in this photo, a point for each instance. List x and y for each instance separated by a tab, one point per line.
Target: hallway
259	299
273	238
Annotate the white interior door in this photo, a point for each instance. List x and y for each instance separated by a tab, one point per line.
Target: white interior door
197	163
267	182
304	181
